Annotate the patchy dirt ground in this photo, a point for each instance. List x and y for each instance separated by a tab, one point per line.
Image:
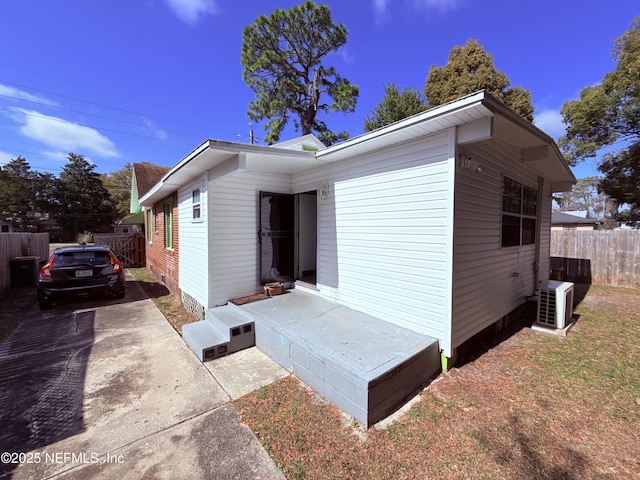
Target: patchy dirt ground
168	303
532	406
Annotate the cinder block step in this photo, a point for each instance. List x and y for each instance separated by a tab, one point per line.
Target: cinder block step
205	340
225	330
236	324
227	317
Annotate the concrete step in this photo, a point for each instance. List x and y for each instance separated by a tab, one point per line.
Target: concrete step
225	330
237	325
227	317
206	341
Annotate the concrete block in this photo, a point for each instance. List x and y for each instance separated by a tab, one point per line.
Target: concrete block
299	356
317	366
200	337
273	344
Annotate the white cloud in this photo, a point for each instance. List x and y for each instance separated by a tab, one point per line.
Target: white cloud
380	10
550	122
442	5
5	157
151	128
64	135
346	56
190	11
381	7
18	94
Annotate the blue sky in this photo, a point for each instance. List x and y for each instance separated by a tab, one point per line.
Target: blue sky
149	80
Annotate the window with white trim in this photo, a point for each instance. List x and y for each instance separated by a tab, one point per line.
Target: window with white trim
196	205
519	206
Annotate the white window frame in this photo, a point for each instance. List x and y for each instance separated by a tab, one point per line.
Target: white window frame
522	213
196	205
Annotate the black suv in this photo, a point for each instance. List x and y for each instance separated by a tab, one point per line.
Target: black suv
80	271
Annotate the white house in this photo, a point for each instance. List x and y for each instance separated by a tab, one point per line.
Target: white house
439	223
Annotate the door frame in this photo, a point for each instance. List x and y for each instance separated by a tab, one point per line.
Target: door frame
303	257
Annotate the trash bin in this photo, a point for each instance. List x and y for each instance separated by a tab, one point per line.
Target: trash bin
24	272
558	274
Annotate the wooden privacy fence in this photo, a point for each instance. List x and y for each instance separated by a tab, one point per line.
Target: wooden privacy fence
602	257
14	245
129	247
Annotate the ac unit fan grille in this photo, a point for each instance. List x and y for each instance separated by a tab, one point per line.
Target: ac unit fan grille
547	314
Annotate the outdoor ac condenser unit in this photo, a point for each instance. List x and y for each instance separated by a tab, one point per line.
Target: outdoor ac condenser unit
555	304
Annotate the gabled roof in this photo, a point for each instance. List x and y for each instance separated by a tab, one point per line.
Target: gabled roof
479	116
147	175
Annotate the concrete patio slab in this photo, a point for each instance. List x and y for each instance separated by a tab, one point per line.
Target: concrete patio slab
364	365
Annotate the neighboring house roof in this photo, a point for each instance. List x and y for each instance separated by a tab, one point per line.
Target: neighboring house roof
577	213
133	219
561	218
145	175
478	116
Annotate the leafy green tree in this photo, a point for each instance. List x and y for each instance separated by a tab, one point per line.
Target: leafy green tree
46	189
622	182
395	106
609	112
282	56
84	204
470	68
17	194
118	184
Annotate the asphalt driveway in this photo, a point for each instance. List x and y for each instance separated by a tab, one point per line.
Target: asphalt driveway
107	389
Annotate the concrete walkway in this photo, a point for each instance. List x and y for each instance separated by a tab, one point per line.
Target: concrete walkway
107	389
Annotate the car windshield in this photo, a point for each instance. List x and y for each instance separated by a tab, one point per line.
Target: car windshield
70	259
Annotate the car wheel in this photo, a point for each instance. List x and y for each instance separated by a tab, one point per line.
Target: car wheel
120	294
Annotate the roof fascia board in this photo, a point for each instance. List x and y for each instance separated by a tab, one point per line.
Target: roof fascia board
463	103
163	181
222	146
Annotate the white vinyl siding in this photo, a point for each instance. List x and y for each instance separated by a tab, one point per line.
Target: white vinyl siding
193	243
234	263
489	281
383	233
